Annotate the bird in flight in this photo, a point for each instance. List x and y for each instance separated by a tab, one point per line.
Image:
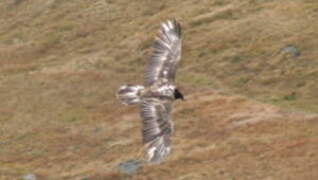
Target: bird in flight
158	93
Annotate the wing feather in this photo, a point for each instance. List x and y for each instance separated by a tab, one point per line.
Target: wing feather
166	54
157	129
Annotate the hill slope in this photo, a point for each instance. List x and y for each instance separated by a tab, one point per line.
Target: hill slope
62	61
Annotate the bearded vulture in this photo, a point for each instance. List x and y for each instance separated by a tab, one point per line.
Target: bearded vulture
158	93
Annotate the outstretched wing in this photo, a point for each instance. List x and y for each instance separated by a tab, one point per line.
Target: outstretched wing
166	55
157	129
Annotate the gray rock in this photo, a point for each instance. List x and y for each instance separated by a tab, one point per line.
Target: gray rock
130	167
291	49
29	176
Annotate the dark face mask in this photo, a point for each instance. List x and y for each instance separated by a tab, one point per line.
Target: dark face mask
178	94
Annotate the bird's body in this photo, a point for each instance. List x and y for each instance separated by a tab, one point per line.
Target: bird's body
159	92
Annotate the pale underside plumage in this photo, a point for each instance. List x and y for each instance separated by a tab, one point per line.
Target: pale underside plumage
155	111
157	96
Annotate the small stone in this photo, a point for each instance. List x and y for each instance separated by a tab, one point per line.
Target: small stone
29	176
291	49
130	167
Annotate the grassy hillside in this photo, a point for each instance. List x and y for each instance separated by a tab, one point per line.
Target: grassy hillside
249	72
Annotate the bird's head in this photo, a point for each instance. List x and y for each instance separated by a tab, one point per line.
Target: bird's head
178	94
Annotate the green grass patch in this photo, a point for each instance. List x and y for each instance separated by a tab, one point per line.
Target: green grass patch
74	116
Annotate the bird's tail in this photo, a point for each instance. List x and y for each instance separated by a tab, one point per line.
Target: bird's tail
129	94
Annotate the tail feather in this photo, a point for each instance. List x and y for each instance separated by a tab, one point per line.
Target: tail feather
129	94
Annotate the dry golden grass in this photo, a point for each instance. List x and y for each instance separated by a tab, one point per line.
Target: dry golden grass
62	61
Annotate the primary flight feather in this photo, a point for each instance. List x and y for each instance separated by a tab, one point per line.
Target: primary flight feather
159	92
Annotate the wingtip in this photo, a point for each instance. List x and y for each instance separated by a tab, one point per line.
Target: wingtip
156	156
173	25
